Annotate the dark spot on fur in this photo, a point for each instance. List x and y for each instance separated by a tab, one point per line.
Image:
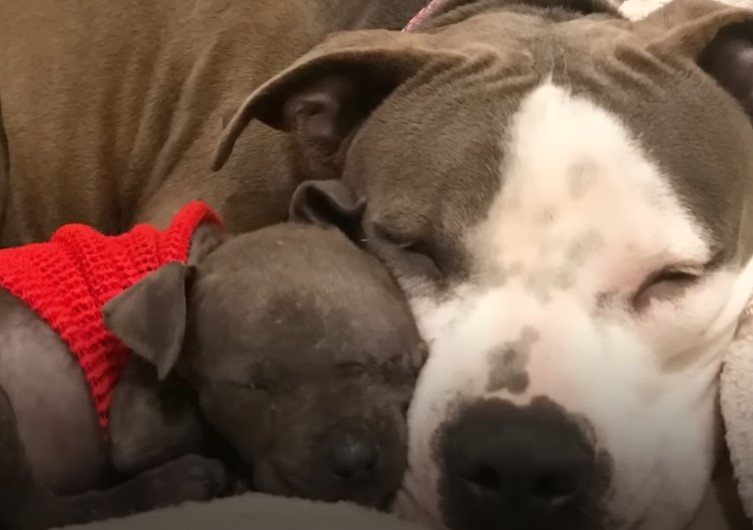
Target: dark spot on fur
543	281
605	299
547	217
584	247
502	273
540	284
508	364
564	279
580	177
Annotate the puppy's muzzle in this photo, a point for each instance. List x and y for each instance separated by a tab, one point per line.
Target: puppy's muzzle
352	455
522	467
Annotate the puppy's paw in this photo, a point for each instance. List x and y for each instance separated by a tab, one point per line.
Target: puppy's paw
189	478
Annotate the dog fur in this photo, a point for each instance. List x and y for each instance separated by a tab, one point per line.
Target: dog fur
111	111
564	194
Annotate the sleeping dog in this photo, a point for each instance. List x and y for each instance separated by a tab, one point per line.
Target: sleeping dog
564	196
120	130
290	343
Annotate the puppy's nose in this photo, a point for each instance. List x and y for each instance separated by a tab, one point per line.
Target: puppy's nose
354	454
528	466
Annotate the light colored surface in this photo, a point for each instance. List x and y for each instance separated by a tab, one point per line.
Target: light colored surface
737	407
256	511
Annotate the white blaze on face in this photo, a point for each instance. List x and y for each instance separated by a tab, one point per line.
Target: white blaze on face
583	216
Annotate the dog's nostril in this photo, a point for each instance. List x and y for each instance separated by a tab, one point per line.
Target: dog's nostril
549	488
485	477
554	488
354	456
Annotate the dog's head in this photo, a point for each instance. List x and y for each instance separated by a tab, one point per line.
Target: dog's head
302	351
565	197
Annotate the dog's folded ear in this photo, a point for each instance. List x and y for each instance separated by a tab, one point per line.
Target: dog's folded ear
328	203
150	316
717	37
326	94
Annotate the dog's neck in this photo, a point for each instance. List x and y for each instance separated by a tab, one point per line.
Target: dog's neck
439	13
366	14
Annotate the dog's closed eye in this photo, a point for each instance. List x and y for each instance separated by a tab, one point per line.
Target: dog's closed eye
420	250
245	385
413	254
350	368
665	284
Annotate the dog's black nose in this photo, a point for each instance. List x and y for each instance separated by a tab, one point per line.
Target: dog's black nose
530	467
354	454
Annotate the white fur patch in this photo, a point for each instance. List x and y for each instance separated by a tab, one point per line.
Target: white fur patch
584	216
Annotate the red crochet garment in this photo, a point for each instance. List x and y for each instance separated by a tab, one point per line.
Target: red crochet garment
67	281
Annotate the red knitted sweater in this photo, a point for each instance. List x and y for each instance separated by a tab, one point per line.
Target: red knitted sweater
67	280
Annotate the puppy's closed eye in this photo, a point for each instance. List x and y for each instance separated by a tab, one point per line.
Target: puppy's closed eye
245	385
350	368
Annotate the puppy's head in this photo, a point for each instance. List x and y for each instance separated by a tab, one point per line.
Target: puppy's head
564	195
303	353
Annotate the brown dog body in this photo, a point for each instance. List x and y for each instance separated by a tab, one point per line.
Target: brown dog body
111	110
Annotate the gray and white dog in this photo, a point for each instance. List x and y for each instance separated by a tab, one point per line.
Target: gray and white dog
565	196
259	337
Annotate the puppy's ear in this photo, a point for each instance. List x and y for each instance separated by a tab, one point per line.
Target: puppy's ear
325	95
717	37
150	317
327	203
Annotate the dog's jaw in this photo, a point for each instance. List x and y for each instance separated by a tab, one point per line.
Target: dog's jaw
582	218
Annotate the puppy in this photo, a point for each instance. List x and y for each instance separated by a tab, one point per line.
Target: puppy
566	197
293	345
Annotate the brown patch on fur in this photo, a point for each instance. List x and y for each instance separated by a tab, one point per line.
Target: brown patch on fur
582	248
508	363
580	177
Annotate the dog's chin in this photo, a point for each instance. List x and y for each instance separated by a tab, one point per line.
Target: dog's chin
595	517
276	479
420	501
269	477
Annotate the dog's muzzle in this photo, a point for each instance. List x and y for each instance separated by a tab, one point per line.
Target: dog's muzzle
513	467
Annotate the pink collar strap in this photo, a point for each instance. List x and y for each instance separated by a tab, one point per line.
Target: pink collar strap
422	15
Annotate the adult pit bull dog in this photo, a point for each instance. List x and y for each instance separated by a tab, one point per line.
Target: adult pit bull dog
110	111
257	335
565	196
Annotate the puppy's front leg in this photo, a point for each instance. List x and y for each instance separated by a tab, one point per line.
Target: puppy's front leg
26	505
152	421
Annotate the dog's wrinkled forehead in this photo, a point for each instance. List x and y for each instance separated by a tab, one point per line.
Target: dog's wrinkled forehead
284	295
542	116
491	92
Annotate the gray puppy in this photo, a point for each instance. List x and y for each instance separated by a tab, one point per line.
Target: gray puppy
290	343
